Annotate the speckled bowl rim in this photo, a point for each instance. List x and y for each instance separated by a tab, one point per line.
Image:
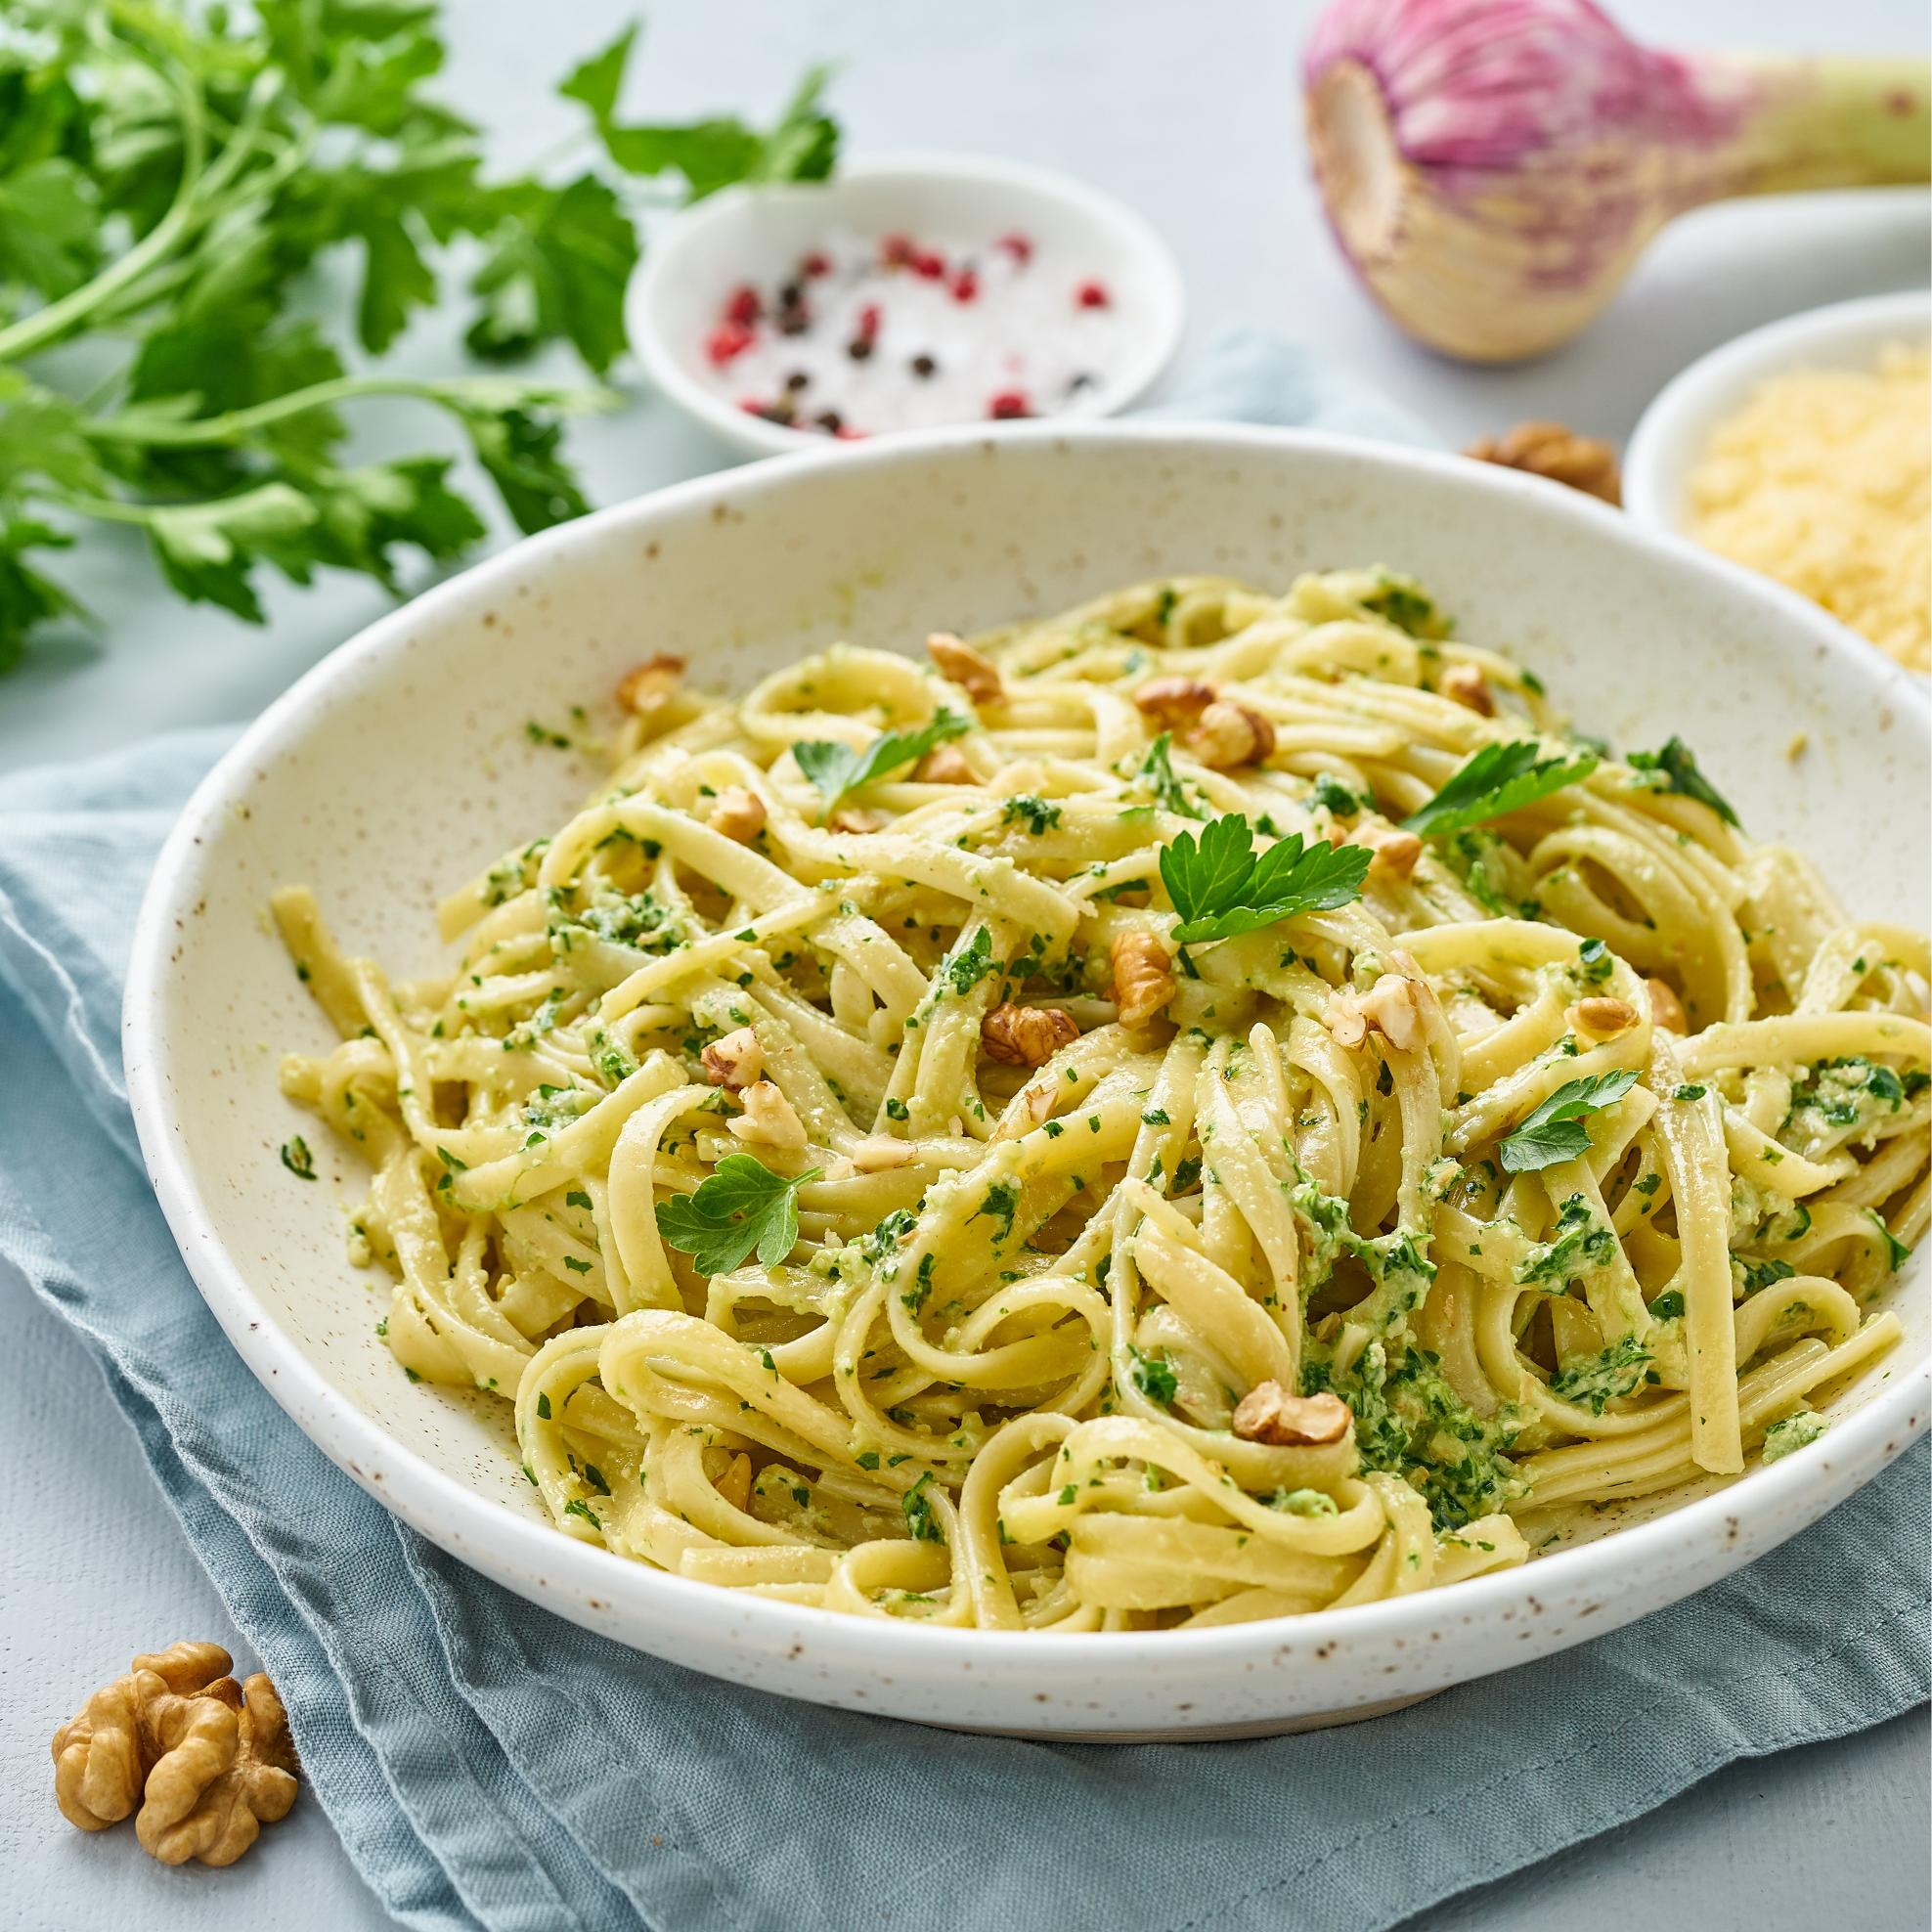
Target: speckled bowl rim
1706	1537
1149	351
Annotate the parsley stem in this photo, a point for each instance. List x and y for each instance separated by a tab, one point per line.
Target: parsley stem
456	395
110	509
200	185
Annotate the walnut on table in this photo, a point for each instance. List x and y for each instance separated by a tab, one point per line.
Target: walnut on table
207	1760
1558	452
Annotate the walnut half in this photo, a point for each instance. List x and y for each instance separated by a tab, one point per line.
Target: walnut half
226	1767
208	1759
1143	976
1026	1035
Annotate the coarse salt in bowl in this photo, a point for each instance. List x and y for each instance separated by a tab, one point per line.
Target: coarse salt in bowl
908	293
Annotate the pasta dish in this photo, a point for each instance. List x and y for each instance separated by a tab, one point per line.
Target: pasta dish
1212	1106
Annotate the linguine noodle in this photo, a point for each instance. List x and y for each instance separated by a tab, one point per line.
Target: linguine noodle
1569	1146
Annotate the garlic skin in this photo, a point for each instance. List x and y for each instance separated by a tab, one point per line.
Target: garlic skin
1492	168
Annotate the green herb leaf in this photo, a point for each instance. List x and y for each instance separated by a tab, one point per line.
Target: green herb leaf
1554	1132
560	263
713	154
920	1521
1406	605
1673	769
741	1204
1158	769
837	770
1154	1375
1220	886
1497	779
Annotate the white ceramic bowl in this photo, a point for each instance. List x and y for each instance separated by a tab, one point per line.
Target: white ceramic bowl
401	764
745	233
1673	434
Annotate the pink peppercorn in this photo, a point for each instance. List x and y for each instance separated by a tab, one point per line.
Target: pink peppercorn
744	308
728	342
815	263
1019	247
869	321
928	264
1093	295
897	251
1008	404
965	286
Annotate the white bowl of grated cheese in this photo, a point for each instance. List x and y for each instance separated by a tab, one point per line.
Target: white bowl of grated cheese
1800	449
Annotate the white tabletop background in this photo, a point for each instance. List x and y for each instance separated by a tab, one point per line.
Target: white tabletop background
1189	112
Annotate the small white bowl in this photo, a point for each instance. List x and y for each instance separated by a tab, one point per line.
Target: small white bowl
745	233
1674	432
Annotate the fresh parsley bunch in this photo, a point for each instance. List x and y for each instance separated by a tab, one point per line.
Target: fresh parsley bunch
169	176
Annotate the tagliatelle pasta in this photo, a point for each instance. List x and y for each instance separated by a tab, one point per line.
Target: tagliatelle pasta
1206	1106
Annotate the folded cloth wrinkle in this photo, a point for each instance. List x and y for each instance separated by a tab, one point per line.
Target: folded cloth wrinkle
489	1765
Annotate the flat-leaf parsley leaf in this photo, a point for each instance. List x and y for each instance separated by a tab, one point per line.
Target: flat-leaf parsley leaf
1673	769
1554	1131
1220	886
837	769
739	1206
1499	779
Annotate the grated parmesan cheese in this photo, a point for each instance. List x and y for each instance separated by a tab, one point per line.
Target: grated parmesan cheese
1821	480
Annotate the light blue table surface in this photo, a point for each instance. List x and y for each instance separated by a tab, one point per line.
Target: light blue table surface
1188	112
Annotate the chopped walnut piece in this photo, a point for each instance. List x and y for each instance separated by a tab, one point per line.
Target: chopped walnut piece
1269	1414
1600	1017
1394	851
1026	1035
945	765
1143	977
647	686
734	1485
733	1062
739	814
1464	685
1173	701
1551	450
1666	1009
208	1758
1226	734
1392	1007
963	666
877	1152
854	819
768	1119
222	1773
1033	1104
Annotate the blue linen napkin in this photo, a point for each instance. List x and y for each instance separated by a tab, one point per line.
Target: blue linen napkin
489	1765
